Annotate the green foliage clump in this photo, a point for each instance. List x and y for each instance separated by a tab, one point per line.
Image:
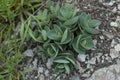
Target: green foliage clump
12	12
9	9
61	33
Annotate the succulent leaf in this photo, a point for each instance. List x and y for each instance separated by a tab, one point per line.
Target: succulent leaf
88	24
82	43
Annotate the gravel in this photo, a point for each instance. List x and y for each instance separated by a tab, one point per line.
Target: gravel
29	53
75	78
114	24
117	47
81	57
98	63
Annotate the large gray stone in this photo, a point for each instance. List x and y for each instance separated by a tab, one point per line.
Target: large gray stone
108	73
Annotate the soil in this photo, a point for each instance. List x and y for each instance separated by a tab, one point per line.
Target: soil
98	10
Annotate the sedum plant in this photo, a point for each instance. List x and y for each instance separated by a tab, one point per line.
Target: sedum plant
64	62
59	35
62	33
82	43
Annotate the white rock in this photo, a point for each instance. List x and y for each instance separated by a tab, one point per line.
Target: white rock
49	63
114	53
111	3
40	70
29	53
92	61
108	73
117	47
81	57
95	42
41	77
89	66
75	78
78	67
118	19
35	63
98	56
111	75
114	24
86	74
118	6
113	43
46	73
114	10
101	37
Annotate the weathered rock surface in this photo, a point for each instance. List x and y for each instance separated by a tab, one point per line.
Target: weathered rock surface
108	73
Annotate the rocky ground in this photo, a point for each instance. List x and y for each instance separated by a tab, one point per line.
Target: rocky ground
100	63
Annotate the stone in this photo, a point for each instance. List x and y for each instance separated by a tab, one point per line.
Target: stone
118	6
35	63
92	61
113	53
113	43
49	63
81	57
78	67
108	35
46	73
29	53
114	24
86	75
107	73
41	77
117	47
114	10
75	78
95	42
111	3
98	57
101	37
40	70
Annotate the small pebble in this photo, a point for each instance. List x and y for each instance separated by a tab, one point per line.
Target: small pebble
40	70
111	3
29	53
75	78
118	6
114	24
81	57
117	47
114	53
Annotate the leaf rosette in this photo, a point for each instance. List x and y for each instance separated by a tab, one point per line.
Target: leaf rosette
67	14
88	24
64	62
82	43
51	49
59	35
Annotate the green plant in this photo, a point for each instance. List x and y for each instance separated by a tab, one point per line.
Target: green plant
59	35
88	24
64	62
82	43
61	32
10	54
13	12
9	9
